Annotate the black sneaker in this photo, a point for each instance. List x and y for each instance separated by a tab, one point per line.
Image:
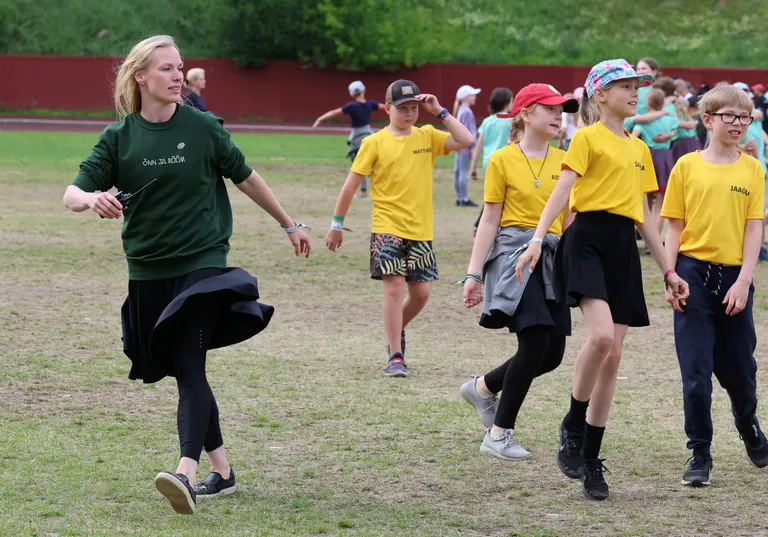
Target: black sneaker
396	366
215	485
177	489
569	457
595	487
755	443
469	203
699	471
402	343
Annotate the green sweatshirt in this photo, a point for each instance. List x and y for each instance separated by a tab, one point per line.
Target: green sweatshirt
182	222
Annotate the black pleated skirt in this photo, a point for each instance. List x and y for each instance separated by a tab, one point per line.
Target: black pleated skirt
155	311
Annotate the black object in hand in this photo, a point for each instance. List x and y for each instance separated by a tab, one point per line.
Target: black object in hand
125	197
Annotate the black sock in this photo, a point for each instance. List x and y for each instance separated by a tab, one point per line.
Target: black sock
577	415
593	439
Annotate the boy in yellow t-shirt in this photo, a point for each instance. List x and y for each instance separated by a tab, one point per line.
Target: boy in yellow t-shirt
399	161
714	204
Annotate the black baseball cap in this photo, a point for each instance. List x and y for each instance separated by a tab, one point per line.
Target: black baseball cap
401	91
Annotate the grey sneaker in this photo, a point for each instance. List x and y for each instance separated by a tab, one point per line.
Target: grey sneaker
485	406
504	447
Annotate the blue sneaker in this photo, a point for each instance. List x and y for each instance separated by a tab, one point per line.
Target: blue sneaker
763	254
396	366
402	343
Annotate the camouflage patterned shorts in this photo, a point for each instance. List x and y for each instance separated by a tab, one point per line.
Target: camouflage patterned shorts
393	256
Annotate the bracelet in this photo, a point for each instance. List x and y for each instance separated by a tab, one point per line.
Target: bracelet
296	226
475	277
338	219
537	239
443	114
335	224
666	274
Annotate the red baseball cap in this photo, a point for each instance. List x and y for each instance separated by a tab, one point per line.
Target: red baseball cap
540	94
758	87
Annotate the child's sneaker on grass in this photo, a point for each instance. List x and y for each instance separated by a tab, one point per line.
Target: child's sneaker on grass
569	457
396	366
595	487
177	489
485	406
755	443
699	471
215	485
504	447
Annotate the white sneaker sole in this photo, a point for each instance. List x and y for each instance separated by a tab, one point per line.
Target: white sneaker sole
176	493
485	449
223	492
696	484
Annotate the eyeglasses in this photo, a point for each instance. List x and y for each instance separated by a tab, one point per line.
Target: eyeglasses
729	118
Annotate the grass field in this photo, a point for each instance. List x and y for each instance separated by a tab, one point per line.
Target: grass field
322	443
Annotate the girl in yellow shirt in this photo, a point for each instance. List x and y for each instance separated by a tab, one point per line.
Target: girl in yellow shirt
606	173
519	179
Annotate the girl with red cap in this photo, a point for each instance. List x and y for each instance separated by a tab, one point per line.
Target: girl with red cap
519	179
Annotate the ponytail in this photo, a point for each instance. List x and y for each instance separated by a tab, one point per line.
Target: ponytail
588	111
516	129
455	107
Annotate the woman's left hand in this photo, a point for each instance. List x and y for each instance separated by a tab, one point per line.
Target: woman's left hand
301	242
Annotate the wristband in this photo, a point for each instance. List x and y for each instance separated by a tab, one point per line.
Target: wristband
335	224
475	277
443	114
296	226
536	239
338	219
666	274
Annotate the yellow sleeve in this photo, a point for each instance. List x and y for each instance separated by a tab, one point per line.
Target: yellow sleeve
757	197
438	141
649	173
366	157
579	152
495	188
674	198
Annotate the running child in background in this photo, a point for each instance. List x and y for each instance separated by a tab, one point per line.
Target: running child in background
605	174
466	97
493	132
519	180
661	152
715	209
399	159
359	112
684	141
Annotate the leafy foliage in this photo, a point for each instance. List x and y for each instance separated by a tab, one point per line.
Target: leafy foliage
386	34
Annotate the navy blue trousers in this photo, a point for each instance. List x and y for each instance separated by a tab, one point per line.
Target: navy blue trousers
709	341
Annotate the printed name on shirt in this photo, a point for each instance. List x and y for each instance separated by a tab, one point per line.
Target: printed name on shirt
739	190
555	177
640	166
175	159
422	150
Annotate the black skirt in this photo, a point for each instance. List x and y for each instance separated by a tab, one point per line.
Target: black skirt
597	257
154	315
533	310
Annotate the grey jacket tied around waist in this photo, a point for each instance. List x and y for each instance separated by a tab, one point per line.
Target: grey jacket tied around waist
502	291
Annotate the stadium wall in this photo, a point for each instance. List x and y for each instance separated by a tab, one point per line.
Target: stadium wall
285	90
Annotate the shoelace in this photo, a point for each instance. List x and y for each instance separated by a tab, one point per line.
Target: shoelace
595	468
509	438
697	462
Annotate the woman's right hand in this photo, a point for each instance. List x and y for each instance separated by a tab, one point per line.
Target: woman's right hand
473	293
530	255
105	205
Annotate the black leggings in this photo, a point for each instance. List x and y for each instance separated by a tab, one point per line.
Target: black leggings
539	351
198	415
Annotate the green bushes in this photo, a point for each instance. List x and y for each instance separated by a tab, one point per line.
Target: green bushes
383	34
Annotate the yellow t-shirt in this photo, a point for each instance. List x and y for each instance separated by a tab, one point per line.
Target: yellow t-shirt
614	172
715	200
508	179
400	168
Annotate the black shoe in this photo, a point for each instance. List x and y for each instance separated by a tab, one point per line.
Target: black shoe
215	485
595	487
755	443
469	203
569	457
176	488
699	471
458	203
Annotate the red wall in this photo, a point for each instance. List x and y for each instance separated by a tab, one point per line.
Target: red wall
285	90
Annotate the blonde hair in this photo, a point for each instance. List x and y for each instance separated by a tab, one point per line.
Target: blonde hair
682	86
517	125
725	95
655	99
193	74
589	113
127	94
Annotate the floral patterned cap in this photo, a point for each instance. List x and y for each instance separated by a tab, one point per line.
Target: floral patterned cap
609	71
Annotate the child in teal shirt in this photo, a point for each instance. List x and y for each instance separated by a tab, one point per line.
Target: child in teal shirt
493	132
